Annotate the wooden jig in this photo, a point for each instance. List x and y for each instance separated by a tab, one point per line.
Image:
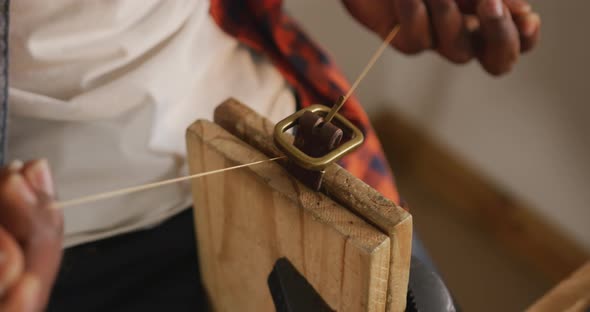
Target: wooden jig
350	243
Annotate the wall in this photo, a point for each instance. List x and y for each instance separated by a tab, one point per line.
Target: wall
528	131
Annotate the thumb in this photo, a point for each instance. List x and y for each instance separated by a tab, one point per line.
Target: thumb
23	297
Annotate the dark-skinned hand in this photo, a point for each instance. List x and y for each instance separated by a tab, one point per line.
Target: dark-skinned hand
30	237
495	32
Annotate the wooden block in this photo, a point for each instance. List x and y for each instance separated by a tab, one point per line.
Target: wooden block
344	188
573	294
246	219
341	186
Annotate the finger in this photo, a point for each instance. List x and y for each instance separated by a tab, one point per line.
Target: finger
29	217
515	6
43	250
467	6
451	34
380	17
518	6
24	296
38	175
11	262
14	166
498	44
414	35
529	27
18	201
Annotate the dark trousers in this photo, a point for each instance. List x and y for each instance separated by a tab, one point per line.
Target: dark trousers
149	270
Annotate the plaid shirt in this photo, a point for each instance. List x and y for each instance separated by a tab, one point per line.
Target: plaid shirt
265	28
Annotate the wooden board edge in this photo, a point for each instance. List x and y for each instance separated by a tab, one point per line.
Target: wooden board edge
399	273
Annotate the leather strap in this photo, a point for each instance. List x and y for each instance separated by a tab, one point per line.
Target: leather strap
315	138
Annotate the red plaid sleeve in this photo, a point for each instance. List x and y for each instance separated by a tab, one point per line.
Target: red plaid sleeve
263	26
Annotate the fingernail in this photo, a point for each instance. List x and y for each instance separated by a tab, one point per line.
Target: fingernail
471	23
493	8
525	8
519	7
15	165
17	190
531	24
40	176
31	291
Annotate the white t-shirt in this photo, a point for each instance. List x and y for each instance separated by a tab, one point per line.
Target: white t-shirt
105	90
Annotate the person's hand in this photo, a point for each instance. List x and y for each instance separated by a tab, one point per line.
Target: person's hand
30	236
495	32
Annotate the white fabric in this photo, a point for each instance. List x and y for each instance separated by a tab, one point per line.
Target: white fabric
105	90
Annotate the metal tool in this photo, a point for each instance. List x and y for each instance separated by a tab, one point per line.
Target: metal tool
291	292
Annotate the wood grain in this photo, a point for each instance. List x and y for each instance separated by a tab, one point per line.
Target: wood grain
248	218
572	295
341	186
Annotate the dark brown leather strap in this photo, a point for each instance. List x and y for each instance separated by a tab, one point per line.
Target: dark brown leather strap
315	138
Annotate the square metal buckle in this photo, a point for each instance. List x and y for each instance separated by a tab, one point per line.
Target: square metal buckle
281	138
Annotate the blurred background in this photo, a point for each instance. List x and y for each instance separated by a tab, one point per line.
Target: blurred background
495	171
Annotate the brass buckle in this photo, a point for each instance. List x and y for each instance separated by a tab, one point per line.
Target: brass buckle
281	138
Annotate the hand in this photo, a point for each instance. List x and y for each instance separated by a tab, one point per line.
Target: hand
30	236
493	31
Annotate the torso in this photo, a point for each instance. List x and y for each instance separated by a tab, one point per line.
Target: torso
105	90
